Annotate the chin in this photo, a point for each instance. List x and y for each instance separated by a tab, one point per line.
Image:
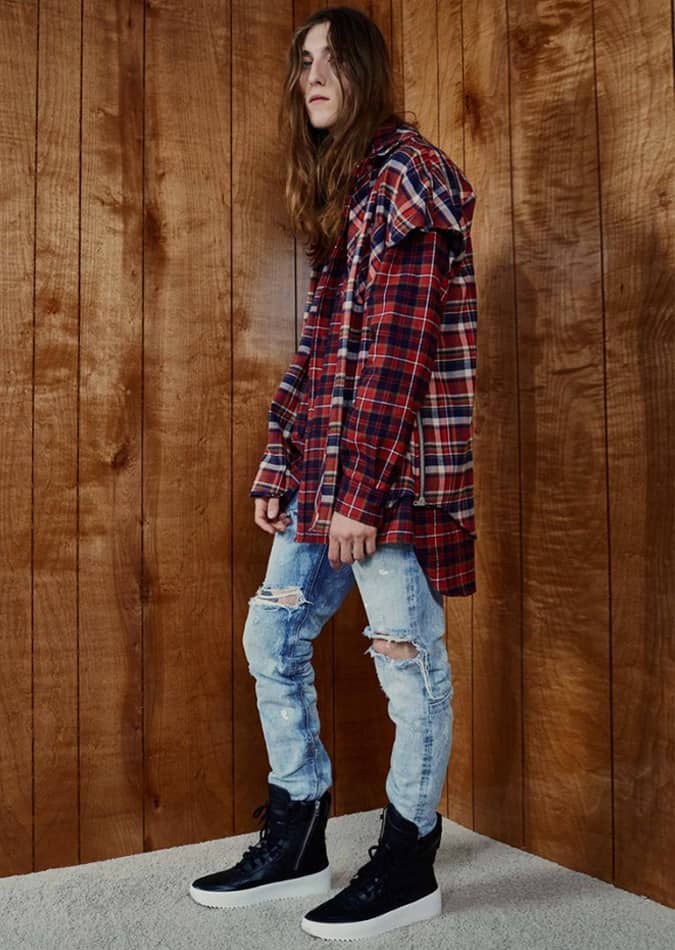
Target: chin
322	122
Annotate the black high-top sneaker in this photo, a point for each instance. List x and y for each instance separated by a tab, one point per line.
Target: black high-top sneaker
395	888
288	860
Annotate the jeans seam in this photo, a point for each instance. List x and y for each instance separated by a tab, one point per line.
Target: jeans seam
311	745
311	581
425	774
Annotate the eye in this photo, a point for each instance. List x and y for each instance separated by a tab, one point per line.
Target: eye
308	62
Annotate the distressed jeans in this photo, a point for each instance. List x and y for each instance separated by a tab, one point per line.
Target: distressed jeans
299	594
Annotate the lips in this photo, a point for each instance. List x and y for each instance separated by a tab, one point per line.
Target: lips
319	99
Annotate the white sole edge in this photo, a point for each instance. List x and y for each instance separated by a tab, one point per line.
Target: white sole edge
318	883
422	909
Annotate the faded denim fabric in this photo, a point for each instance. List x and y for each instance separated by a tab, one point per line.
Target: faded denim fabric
299	594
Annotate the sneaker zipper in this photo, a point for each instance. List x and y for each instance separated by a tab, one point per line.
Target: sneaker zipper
317	805
421	500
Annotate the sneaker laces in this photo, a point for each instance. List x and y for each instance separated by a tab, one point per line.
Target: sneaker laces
383	859
380	856
256	851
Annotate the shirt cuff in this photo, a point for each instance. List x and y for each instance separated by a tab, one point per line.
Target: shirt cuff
354	499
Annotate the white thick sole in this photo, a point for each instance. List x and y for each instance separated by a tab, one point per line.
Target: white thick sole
318	883
422	909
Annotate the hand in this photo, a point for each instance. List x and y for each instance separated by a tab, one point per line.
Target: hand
268	517
349	540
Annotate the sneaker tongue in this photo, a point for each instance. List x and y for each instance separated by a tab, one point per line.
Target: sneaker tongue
280	808
278	800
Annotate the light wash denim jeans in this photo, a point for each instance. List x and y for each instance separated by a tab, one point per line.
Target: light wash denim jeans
400	605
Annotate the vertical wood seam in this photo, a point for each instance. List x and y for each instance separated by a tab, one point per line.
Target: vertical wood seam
295	238
523	758
233	717
610	664
32	466
142	587
472	678
438	137
77	443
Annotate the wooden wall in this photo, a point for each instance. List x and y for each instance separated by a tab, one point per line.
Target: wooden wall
151	298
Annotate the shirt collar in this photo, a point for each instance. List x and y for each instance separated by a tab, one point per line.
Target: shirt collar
386	136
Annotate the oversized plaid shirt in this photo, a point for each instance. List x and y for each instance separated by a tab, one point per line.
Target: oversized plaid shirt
373	417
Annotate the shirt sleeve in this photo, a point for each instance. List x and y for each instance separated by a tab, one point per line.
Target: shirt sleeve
404	308
274	476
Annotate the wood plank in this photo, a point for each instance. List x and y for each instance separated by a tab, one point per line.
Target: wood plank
263	317
635	96
563	476
18	56
450	135
109	434
187	429
363	731
396	50
422	51
55	653
497	648
324	645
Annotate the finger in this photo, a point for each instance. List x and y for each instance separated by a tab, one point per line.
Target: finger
272	509
282	522
261	515
357	550
346	551
371	544
260	520
334	553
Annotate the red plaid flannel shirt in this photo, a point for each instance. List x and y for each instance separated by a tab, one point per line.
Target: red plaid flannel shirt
373	417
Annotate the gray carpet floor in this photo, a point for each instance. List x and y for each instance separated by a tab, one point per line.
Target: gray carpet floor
495	897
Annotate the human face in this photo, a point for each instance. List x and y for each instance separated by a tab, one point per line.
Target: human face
319	78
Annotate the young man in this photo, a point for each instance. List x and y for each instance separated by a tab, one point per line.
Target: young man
367	478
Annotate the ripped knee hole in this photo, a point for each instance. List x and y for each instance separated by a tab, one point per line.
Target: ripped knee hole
284	596
397	649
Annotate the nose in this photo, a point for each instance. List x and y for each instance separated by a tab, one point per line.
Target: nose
317	73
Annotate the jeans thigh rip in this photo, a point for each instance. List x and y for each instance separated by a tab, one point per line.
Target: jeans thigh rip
291	598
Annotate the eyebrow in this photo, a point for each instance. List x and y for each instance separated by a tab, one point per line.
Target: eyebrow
321	51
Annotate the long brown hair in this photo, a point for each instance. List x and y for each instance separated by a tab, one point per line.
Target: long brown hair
320	161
